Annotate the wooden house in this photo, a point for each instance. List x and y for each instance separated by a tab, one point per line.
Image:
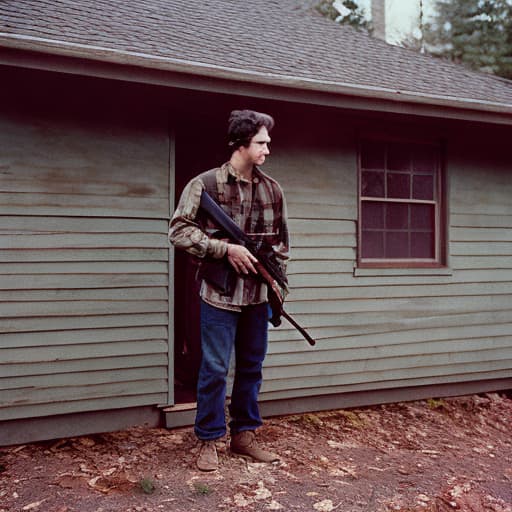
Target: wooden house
398	176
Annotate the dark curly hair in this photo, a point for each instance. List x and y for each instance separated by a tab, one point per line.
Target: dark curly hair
243	125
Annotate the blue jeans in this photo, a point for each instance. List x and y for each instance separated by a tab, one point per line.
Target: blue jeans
221	330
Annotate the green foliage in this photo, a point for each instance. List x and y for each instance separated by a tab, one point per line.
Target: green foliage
147	485
203	489
475	33
354	17
436	403
354	419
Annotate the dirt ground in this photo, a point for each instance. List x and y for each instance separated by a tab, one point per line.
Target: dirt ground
433	455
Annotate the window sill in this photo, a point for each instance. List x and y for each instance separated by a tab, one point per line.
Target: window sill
397	271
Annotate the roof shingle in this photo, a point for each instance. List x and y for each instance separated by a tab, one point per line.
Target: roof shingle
263	39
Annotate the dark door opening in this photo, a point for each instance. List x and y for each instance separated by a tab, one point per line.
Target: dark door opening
199	146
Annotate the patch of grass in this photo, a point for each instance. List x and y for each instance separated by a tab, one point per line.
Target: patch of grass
312	419
203	489
307	420
147	485
353	419
436	403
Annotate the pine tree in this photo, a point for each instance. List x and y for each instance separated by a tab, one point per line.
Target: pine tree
506	61
353	15
476	33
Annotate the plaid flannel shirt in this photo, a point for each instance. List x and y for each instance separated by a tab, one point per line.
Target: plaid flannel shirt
258	208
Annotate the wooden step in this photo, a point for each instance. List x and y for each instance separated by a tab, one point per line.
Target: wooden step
179	415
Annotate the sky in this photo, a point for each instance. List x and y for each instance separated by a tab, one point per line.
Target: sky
401	16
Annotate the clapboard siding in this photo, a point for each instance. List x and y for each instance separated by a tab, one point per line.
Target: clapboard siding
127	294
452	290
404	327
104	205
28	324
85	163
479	248
40	395
93	267
88	255
62	353
481	234
363	373
332	278
139	397
35	225
327	326
84	265
85	378
66	241
396	333
426	306
417	346
75	366
483	262
469	219
80	308
46	281
81	336
405	364
332	388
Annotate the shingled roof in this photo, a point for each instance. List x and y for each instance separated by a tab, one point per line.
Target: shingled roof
272	42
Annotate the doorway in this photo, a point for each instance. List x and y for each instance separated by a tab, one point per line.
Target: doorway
200	145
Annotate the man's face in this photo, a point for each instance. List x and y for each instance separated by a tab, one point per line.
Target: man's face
258	148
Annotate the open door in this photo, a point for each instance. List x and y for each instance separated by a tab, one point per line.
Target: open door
199	147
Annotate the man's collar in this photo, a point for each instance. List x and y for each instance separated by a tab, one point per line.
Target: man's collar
233	174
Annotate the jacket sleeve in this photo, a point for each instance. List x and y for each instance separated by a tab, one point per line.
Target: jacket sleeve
184	231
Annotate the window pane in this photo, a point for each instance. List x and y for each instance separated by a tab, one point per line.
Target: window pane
397	244
422	245
372	154
422	217
423	187
397	216
399	158
373	244
399	201
424	158
398	185
372	183
372	215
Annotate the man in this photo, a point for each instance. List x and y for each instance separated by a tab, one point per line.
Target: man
236	317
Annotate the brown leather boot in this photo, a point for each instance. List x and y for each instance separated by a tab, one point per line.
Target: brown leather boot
244	443
207	460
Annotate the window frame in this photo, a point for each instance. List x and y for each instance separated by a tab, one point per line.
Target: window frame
439	202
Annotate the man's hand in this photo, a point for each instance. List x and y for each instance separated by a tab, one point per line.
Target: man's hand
241	259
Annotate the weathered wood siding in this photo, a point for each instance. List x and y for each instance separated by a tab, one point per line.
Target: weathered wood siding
385	329
84	205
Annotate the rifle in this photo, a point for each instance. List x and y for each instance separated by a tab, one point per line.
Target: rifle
267	265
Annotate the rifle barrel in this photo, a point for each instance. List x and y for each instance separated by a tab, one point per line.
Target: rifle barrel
290	319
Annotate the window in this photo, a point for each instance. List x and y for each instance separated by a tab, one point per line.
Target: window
399	204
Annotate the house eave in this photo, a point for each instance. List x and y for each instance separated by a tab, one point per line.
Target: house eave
75	58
